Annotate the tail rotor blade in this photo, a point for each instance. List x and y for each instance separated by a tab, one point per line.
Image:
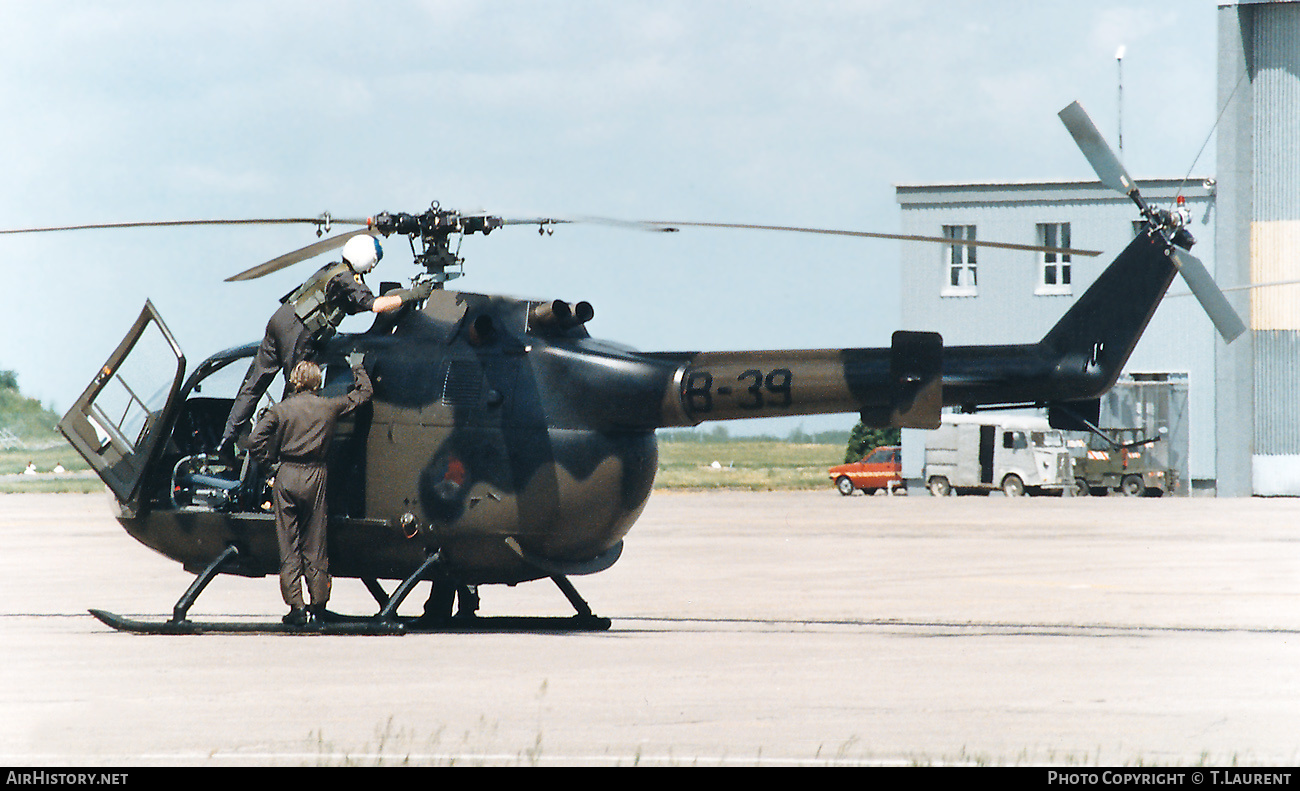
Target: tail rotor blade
1103	160
1113	175
301	254
1216	306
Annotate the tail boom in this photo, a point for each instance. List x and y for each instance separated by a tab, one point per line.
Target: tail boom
1080	358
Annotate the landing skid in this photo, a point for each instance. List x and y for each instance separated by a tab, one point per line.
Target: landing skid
364	626
358	625
437	612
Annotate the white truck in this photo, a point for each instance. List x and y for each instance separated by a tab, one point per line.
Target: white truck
980	453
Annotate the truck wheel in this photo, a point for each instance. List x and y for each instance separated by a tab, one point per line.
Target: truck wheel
1132	486
844	485
939	486
1081	488
1012	486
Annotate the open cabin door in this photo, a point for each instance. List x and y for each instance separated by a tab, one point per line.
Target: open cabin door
119	421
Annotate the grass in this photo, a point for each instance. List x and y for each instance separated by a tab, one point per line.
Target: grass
479	745
746	465
742	464
14	460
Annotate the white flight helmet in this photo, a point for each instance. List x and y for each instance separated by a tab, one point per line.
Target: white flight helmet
362	252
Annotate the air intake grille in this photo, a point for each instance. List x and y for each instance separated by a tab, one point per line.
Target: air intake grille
462	385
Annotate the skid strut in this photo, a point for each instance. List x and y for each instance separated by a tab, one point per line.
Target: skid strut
444	593
571	593
183	604
389	612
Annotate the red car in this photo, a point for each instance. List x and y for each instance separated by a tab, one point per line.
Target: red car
882	468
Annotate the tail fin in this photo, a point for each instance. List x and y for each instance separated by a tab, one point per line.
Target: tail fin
1095	337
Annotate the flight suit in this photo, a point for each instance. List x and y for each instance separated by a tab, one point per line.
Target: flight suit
289	341
296	434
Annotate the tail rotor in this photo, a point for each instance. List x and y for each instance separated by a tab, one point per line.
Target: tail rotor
1169	224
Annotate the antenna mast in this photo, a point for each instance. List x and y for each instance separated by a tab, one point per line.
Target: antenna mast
1119	99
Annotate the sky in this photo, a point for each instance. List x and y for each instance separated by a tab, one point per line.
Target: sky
794	113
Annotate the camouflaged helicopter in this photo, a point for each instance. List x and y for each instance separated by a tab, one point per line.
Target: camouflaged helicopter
504	444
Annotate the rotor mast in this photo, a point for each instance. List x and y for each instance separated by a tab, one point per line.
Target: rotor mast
435	228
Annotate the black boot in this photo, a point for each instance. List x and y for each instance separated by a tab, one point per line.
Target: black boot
297	617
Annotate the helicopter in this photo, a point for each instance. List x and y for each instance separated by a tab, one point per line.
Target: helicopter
504	444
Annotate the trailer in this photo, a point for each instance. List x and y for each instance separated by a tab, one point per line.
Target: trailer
976	454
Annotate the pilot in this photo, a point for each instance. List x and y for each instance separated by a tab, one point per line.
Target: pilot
307	318
295	434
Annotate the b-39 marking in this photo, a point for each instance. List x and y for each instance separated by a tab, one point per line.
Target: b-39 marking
758	390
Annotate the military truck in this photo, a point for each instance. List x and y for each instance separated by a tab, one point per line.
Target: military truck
1123	460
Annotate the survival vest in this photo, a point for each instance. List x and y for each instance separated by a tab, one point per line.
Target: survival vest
310	301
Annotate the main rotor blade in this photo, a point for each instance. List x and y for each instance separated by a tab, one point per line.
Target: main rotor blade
541	221
1207	292
169	223
301	254
666	226
1103	160
1269	284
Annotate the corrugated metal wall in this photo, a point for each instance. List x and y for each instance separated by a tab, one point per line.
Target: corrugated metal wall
1274	62
1258	384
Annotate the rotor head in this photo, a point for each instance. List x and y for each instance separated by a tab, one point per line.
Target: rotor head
1169	224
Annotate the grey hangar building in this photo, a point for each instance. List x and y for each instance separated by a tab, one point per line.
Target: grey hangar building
1228	414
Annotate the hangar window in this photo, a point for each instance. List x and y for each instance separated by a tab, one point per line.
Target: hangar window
1054	273
961	262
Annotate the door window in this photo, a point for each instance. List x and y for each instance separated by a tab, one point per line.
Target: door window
114	423
136	392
